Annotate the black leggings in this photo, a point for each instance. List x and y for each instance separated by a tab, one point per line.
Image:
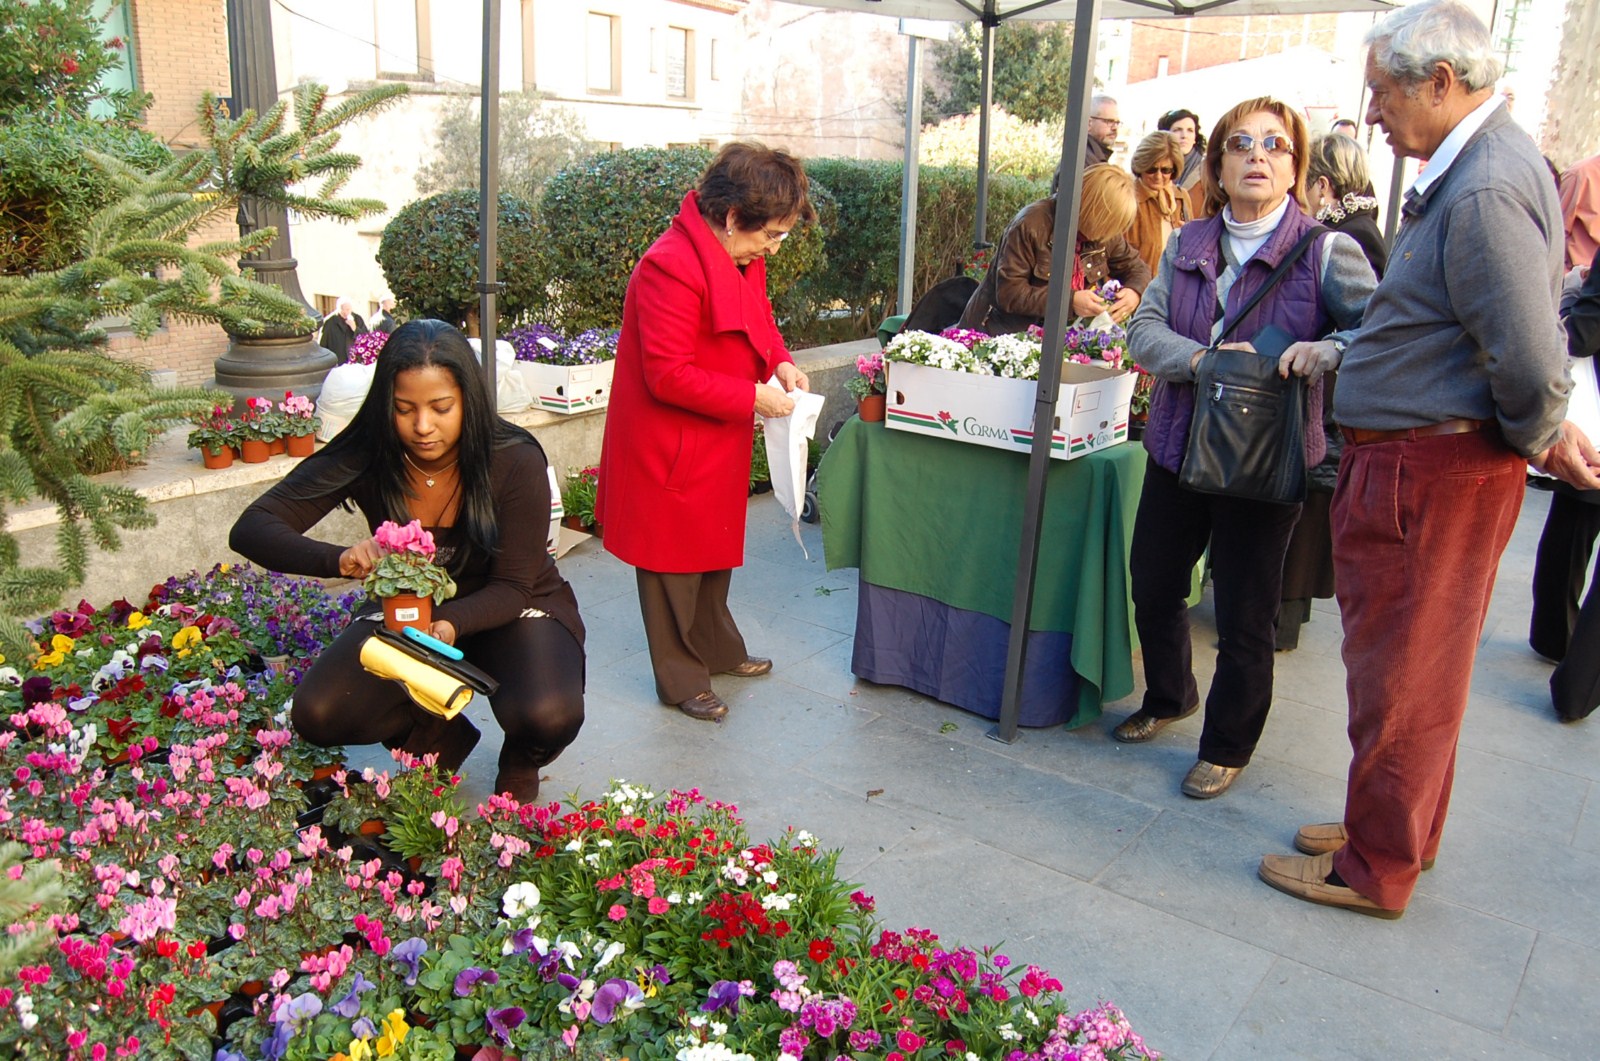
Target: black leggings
538	662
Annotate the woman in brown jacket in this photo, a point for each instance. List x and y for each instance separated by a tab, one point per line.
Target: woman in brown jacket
1012	295
1163	207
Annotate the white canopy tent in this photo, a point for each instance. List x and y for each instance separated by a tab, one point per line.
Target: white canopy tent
1086	15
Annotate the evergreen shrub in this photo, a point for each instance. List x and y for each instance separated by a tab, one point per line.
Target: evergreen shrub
429	257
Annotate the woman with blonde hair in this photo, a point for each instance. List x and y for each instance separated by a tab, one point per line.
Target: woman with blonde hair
1163	206
1255	176
1012	295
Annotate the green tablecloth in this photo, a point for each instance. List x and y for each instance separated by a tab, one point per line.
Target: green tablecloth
943	519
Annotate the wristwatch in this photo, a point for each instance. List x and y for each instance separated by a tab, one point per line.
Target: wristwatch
1339	346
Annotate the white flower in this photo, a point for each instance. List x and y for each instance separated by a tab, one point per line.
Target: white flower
694	898
9	676
574	845
770	877
1009	1033
735	873
608	955
521	899
805	839
675	898
778	902
602	843
593	858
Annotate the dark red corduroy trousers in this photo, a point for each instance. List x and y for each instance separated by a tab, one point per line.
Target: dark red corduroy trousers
1418	529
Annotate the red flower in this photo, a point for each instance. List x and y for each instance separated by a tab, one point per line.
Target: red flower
69	65
820	950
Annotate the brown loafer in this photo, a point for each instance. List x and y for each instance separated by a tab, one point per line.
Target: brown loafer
1328	837
1306	877
753	667
1208	780
1142	725
707	707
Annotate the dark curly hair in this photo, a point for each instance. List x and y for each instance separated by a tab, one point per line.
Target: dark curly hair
758	184
1173	117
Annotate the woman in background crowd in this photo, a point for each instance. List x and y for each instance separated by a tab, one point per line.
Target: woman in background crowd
1012	295
1163	208
1185	126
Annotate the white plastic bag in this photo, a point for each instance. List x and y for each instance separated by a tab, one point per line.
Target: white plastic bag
786	453
342	394
512	394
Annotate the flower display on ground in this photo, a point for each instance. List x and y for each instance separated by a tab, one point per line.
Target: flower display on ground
544	344
1011	356
203	885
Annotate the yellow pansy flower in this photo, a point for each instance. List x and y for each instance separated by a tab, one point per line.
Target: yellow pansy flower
189	635
138	621
60	645
395	1030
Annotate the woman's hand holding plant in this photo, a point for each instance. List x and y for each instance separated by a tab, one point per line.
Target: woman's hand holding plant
1087	304
359	560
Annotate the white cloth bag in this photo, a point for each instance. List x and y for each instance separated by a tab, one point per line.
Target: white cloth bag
786	453
343	391
512	394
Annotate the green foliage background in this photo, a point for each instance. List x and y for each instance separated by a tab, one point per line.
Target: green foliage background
538	139
1032	71
429	256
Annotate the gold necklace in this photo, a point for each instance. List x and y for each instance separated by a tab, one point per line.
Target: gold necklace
426	477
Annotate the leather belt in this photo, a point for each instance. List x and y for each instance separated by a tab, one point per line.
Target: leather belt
1357	436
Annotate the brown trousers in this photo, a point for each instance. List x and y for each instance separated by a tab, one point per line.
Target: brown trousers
1418	529
691	633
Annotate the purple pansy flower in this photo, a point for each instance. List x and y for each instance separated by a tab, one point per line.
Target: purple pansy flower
467	978
409	954
502	1021
724	994
614	993
350	1004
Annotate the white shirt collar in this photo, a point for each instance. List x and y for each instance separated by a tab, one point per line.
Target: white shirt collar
1454	142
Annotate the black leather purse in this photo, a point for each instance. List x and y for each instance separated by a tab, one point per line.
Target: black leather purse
1247	438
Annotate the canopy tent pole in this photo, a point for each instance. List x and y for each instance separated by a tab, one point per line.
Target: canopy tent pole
1073	140
489	198
908	178
985	104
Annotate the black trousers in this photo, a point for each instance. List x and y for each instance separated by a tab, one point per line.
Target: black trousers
537	661
1248	540
1559	568
690	631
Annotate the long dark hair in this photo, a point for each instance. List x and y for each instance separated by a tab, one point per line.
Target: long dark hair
370	448
1173	117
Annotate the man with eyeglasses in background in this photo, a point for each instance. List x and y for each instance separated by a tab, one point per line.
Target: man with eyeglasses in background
1104	124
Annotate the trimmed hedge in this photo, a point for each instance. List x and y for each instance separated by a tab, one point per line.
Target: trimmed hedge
864	244
599	216
429	257
50	188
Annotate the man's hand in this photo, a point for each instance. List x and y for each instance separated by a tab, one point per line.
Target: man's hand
1573	459
791	377
1126	302
1310	360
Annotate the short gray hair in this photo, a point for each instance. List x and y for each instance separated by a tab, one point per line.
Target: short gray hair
1341	160
1098	98
1407	44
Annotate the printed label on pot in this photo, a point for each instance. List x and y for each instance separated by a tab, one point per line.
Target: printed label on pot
407	615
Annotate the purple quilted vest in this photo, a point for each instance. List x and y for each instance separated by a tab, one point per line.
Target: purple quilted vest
1295	305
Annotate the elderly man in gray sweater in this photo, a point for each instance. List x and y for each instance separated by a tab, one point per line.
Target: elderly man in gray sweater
1456	378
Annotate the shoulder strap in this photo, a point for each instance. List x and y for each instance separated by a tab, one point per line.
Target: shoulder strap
1272	280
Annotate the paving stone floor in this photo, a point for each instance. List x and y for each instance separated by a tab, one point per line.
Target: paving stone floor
1080	854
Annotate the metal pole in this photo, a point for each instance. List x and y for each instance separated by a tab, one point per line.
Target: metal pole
489	197
985	105
908	181
1044	412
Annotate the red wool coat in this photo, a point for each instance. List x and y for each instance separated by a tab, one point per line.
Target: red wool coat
697	334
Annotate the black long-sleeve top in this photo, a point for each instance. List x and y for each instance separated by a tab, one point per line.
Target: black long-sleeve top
490	591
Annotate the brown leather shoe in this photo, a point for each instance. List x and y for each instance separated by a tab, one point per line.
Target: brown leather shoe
1327	838
1142	725
753	667
1306	877
707	707
1208	780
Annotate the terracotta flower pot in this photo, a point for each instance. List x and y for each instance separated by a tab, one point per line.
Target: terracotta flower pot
223	458
872	408
301	445
254	451
277	446
407	609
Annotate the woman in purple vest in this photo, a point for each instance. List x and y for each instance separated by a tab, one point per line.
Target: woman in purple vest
1255	172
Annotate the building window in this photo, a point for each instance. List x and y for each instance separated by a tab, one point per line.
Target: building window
116	23
405	45
716	72
605	53
680	63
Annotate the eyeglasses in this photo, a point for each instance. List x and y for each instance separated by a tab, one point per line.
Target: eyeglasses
773	237
1244	143
1115	123
1164	171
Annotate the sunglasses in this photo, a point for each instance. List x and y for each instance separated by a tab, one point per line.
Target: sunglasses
1244	143
1165	171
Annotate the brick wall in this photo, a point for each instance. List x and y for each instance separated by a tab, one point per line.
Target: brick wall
182	51
1194	44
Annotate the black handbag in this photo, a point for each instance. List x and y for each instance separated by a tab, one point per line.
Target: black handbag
1247	438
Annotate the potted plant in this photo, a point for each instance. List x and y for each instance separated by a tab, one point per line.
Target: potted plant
301	423
256	431
215	436
364	348
577	498
868	386
405	578
566	375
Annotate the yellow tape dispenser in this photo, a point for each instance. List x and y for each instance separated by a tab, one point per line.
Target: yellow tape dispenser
435	683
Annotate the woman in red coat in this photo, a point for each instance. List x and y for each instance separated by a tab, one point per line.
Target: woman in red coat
698	341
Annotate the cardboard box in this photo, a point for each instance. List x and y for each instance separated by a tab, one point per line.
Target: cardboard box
568	388
1092	413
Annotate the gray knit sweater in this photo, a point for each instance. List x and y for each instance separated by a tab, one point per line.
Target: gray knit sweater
1463	324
